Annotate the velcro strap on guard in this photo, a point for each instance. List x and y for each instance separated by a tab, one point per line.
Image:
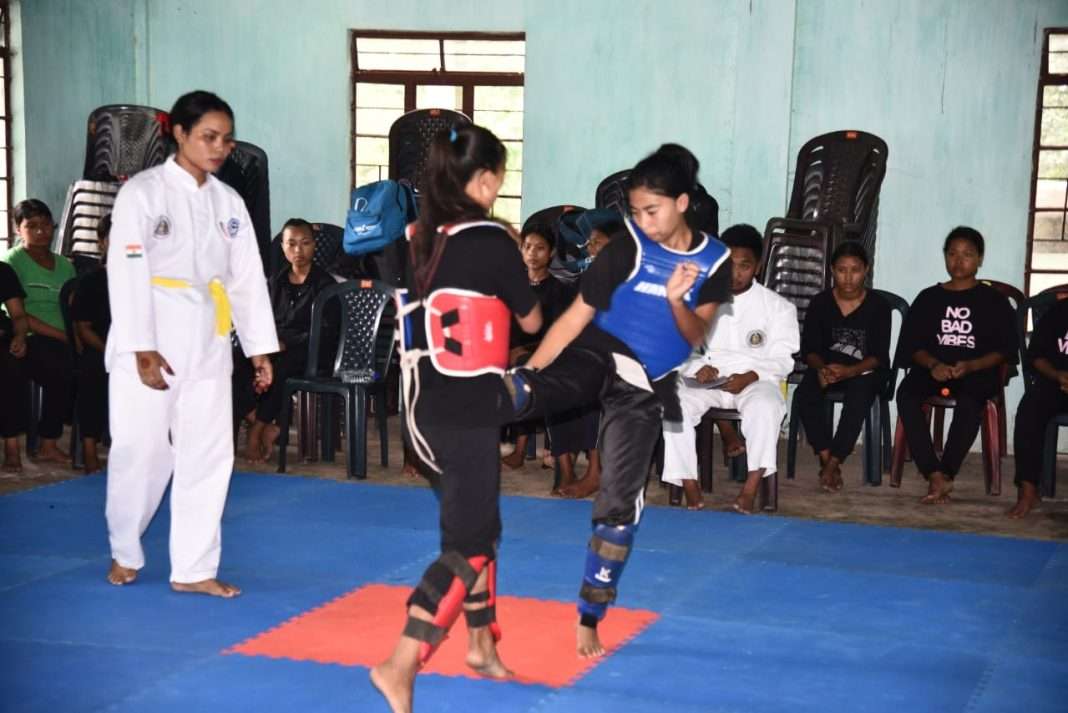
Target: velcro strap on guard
480	617
597	595
424	631
609	550
476	598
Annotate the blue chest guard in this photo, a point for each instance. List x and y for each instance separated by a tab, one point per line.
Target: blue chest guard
640	315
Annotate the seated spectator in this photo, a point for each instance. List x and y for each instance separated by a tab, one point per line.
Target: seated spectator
1044	399
554	297
42	274
293	290
91	314
576	431
749	349
954	341
13	328
846	345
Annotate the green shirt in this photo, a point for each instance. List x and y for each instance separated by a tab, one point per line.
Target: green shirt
41	286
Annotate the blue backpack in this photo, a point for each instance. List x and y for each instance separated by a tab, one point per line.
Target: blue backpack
377	216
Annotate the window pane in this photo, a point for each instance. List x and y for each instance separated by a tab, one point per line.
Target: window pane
380	53
372	150
1053	164
507	209
3	164
376	121
515	154
380	96
1054	127
513	183
484	55
1048	226
1056	95
505	124
1040	281
1058	42
1058	62
369	174
439	97
506	98
1050	194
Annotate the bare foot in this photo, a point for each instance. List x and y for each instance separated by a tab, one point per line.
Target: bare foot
1027	499
254	443
745	503
410	471
119	575
49	453
588	644
12	464
831	476
92	459
938	491
207	586
268	439
582	488
515	459
482	655
733	445
692	490
395	685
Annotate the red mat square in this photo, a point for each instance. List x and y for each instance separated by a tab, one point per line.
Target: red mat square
360	629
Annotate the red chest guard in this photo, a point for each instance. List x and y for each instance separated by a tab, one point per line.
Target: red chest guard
466	332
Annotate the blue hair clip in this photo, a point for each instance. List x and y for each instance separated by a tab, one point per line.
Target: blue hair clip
452	136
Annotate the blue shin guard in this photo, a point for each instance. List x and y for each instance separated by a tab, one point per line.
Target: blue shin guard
607	555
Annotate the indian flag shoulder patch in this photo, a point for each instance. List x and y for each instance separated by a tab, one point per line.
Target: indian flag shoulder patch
134	251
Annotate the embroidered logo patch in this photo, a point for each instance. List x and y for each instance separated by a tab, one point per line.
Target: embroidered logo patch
756	338
134	251
232	226
163	227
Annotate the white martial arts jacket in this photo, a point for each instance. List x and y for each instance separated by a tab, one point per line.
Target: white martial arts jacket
170	240
757	331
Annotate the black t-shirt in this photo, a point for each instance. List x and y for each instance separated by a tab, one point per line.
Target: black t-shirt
554	296
292	305
1050	338
91	303
848	339
611	269
957	325
483	259
10	288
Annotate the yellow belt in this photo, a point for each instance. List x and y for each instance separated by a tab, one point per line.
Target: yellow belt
218	296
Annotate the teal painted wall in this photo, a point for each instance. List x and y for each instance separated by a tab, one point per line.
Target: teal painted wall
950	84
76	56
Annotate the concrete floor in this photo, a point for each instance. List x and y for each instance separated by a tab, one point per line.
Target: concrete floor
970	511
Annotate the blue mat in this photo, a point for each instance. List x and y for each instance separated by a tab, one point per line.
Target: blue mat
756	614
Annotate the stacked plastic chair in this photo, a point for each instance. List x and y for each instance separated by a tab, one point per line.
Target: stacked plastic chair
835	198
120	141
245	170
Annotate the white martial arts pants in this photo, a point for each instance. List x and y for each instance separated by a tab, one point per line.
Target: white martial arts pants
762	407
185	430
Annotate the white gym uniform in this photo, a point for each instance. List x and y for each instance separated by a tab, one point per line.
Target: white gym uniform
178	254
756	332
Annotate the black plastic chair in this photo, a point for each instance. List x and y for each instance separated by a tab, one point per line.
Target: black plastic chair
410	137
837	182
363	355
125	139
612	192
1036	307
246	170
876	433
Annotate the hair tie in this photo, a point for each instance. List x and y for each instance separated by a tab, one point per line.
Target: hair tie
452	135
